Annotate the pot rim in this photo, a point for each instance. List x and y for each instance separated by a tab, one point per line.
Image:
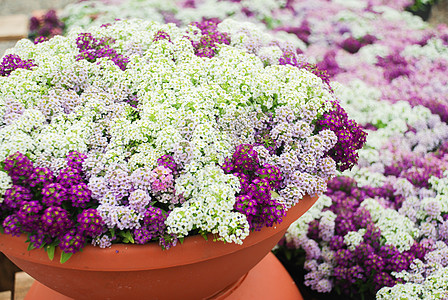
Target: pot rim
125	257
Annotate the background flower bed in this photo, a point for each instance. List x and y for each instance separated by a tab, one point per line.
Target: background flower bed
397	58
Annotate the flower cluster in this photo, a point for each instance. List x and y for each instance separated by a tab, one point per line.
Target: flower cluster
45	26
141	136
206	45
49	208
13	62
92	49
350	136
385	228
258	184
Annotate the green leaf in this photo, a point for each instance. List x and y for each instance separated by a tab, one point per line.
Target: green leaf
50	251
204	235
127	236
112	232
65	257
30	247
2	231
181	240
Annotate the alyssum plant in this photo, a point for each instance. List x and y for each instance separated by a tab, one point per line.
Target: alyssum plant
136	132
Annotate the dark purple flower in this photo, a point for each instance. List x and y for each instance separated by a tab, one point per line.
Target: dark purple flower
90	222
19	167
56	221
91	49
12	225
350	135
40	176
69	177
351	45
72	241
153	225
29	215
75	159
210	36
79	195
15	195
53	194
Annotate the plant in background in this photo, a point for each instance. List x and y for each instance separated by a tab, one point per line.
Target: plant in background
45	26
138	132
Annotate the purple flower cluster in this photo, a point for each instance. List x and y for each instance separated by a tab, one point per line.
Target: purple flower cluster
366	267
206	46
46	26
13	62
153	225
353	45
91	49
350	135
329	64
418	168
303	31
258	182
394	66
161	35
47	207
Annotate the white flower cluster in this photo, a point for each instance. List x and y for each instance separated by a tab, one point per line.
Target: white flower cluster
87	13
353	238
5	183
424	280
434	49
396	229
435	287
186	107
299	228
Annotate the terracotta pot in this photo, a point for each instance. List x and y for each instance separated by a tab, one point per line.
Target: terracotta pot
196	269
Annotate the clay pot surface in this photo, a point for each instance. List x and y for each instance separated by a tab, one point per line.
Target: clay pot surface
195	269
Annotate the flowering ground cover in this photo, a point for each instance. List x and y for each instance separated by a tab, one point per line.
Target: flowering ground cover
137	132
380	230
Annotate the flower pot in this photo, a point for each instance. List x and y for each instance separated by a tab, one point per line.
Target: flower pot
195	269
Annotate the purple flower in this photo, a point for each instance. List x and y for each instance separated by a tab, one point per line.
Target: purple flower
12	226
29	215
12	62
350	135
210	36
56	221
69	177
351	45
90	222
72	241
54	194
40	176
79	195
91	49
16	195
75	159
19	167
153	225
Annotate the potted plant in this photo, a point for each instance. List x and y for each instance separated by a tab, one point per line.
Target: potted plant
136	134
